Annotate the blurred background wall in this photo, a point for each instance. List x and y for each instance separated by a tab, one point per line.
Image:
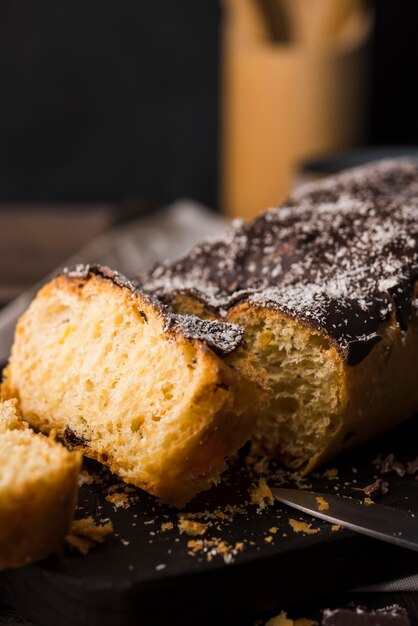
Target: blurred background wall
392	116
108	100
109	109
103	100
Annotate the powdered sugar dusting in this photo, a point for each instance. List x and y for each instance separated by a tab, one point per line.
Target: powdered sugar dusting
341	255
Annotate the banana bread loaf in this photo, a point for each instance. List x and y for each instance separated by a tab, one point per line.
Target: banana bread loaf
326	289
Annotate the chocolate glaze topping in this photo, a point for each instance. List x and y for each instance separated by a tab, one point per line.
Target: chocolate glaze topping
341	255
360	616
221	337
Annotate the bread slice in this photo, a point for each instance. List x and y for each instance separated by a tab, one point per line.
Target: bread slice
150	394
326	289
38	489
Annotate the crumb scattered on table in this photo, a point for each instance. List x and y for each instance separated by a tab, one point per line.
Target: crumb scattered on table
323	505
160	567
213	547
261	495
283	620
303	527
368	501
119	499
85	533
191	527
331	473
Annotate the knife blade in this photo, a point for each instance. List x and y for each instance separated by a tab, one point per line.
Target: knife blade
375	520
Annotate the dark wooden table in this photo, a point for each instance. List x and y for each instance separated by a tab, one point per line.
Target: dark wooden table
296	573
407	600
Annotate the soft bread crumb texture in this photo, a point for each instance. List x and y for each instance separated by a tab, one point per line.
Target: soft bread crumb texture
94	361
38	489
305	382
318	405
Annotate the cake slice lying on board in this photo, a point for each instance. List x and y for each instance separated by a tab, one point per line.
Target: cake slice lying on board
38	489
325	287
148	393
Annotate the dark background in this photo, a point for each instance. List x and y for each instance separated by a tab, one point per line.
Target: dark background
103	100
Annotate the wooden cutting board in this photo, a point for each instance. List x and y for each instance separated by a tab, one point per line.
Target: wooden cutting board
148	574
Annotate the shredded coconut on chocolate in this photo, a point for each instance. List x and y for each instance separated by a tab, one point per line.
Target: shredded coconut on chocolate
219	336
341	255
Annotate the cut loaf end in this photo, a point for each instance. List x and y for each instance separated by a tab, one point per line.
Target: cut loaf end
131	386
306	379
38	489
318	405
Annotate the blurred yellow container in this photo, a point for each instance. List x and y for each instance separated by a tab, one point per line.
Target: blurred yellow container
283	103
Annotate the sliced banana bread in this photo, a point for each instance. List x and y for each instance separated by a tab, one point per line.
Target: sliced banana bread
154	396
38	489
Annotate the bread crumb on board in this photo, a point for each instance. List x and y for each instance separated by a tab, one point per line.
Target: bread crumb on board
85	478
368	501
282	620
261	495
303	527
331	473
85	533
336	527
215	547
119	499
190	527
323	505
